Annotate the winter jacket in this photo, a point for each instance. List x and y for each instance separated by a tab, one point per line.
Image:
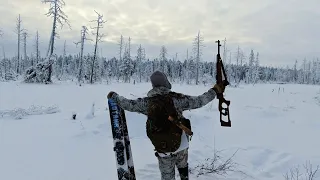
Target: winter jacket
182	102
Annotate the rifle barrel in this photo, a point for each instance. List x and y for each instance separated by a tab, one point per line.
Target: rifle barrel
218	46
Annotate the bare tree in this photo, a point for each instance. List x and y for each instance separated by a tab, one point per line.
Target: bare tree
58	17
163	53
24	36
256	69
120	55
99	36
37	48
63	61
187	54
197	49
140	58
120	47
19	30
237	72
5	64
251	67
1	33
129	47
187	70
44	69
242	67
224	50
84	33
3	52
163	58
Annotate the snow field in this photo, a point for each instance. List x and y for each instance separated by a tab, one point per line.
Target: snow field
274	128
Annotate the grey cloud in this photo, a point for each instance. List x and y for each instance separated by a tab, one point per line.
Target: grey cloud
281	31
286	33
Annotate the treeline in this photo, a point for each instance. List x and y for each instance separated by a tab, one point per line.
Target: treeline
91	68
138	69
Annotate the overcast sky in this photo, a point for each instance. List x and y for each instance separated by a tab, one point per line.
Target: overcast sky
281	31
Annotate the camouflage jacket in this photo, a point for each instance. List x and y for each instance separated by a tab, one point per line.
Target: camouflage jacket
182	102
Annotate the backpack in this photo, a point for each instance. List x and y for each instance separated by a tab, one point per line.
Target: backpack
164	134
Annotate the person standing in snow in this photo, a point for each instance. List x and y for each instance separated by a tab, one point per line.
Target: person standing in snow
170	142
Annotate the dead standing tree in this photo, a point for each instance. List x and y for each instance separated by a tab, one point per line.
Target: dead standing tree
84	32
63	63
120	56
37	48
99	36
140	58
58	16
44	69
25	63
19	31
197	49
163	58
129	48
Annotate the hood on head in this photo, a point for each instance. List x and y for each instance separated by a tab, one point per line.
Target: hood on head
159	79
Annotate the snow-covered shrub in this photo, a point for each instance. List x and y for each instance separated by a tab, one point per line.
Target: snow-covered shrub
40	72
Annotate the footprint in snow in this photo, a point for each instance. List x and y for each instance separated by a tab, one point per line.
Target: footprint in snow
80	135
253	107
104	126
261	158
280	163
267	175
268	162
95	132
151	171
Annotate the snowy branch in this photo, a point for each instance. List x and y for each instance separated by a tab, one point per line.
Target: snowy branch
84	33
56	12
18	29
216	165
99	21
295	174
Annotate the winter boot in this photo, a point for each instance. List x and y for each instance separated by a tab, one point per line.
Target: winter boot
184	173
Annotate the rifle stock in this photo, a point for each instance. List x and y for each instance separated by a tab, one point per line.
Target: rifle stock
180	125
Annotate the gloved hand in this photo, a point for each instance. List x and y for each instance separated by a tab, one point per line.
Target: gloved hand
110	94
219	88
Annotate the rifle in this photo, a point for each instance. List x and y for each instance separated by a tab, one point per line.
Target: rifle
180	125
221	78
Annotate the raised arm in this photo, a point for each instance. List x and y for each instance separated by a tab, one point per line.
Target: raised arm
186	102
137	105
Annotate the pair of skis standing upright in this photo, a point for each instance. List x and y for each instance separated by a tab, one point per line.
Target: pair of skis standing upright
121	140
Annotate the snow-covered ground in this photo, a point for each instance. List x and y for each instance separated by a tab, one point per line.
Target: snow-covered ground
274	128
